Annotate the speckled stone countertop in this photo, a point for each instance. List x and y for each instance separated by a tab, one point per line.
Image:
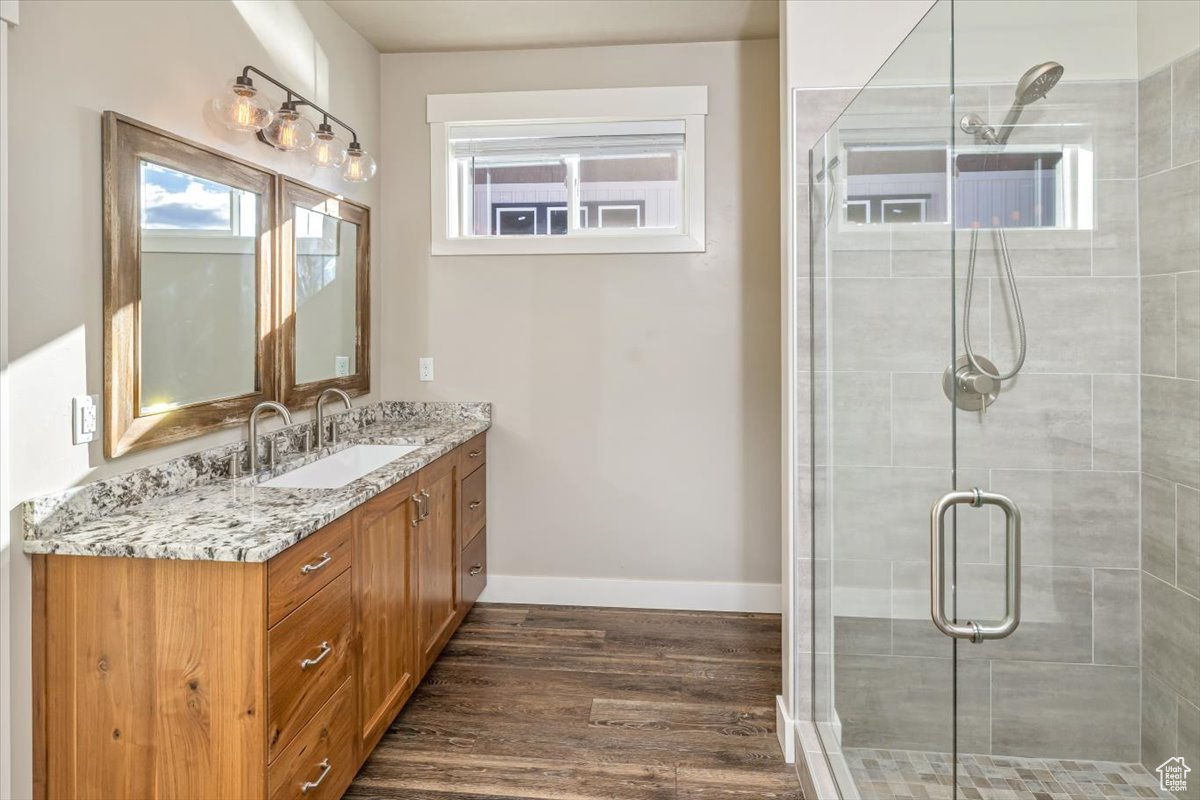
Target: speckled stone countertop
190	508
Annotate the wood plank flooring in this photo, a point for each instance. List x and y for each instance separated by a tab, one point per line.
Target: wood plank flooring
571	703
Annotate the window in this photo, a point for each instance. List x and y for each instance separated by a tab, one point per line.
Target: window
597	171
1020	187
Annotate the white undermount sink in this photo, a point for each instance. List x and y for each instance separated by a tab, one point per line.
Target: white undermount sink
337	470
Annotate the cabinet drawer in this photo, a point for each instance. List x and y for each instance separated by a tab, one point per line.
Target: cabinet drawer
474	504
474	569
307	658
306	567
322	753
474	454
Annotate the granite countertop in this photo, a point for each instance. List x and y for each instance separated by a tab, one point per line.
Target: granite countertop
190	508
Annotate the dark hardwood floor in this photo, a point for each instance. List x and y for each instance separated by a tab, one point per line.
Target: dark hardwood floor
591	704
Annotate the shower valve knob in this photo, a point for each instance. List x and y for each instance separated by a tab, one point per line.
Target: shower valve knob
976	383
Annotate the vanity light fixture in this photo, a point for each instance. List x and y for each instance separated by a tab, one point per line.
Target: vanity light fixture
287	129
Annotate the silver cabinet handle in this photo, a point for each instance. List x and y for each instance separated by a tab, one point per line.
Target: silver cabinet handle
312	662
425	503
308	786
307	568
475	454
475	570
974	631
474	504
417	516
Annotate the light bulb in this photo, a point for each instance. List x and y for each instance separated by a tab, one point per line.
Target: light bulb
328	150
240	107
290	130
359	165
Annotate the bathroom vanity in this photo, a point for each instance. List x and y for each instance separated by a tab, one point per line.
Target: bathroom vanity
243	641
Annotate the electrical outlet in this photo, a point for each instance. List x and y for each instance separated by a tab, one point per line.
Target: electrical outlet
426	369
84	418
341	366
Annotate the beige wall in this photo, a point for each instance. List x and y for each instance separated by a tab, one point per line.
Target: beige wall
158	62
636	396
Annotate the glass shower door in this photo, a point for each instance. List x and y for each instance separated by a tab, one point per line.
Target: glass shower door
884	316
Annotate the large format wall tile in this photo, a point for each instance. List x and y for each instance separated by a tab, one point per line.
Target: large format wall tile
1171	636
883	513
1070	518
1115	237
1187	539
1169	216
1039	422
1185	113
1158	325
1159	722
905	703
1187	325
1171	429
1158	527
1118	618
1154	122
1116	422
1072	325
1065	711
862	411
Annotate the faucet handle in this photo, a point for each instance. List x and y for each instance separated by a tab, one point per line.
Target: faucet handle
271	454
307	440
333	431
235	464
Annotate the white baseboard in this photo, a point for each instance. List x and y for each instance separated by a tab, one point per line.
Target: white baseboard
785	731
615	593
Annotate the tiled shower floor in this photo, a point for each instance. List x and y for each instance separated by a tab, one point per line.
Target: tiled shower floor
911	775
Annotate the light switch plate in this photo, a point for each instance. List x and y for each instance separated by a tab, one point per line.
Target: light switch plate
426	369
85	416
341	366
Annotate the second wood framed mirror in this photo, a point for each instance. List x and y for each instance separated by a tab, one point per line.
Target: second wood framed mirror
324	287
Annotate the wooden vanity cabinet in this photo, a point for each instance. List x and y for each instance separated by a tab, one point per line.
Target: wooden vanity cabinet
162	679
383	570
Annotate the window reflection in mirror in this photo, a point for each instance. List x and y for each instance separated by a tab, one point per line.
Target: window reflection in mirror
326	295
198	273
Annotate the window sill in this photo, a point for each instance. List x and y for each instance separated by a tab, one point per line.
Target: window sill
566	245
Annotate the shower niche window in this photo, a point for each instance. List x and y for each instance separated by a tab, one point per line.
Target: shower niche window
1039	186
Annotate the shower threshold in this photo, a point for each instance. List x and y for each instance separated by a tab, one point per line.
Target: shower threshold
914	775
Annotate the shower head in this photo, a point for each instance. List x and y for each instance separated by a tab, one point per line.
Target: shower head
1035	84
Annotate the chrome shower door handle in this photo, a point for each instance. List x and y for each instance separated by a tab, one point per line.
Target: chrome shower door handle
975	631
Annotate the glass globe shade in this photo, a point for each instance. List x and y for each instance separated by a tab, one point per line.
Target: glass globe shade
241	109
359	166
327	151
290	130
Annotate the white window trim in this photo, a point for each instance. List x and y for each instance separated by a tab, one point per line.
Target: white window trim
687	103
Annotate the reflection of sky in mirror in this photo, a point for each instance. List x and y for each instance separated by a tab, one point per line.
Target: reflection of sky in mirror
175	200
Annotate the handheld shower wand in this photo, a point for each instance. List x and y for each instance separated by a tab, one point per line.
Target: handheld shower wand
974	382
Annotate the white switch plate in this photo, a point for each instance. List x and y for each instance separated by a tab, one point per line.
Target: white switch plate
341	366
426	369
84	418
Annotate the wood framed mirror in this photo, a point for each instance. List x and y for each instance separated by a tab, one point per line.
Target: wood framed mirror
324	289
188	287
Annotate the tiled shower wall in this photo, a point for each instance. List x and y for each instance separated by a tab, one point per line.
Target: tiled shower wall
1062	440
1169	212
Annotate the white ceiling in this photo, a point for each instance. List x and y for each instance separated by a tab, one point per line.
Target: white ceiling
407	26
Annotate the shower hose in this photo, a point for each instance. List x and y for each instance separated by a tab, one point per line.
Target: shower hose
1012	288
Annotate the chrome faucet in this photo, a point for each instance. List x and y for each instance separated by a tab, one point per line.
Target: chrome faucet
265	405
321	415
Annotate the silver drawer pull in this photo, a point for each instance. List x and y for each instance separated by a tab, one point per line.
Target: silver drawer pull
974	631
475	570
308	786
312	662
475	454
474	504
307	568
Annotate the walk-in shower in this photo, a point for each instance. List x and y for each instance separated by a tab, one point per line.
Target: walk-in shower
1005	588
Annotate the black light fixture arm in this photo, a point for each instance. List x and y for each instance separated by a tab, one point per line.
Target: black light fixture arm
294	98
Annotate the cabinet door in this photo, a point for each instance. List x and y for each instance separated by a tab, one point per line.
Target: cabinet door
387	664
437	559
